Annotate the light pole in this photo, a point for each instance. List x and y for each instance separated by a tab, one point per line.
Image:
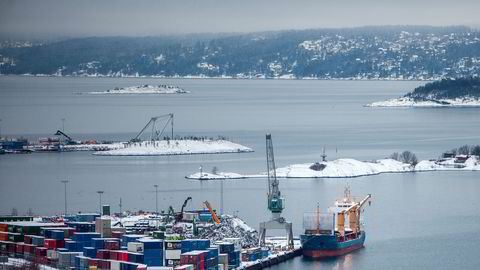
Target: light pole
63	125
65	184
0	127
100	192
156	199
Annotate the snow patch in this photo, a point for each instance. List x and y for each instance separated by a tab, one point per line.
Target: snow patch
144	89
410	102
176	147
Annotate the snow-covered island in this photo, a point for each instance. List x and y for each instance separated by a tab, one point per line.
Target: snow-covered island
176	147
411	102
143	89
463	92
345	168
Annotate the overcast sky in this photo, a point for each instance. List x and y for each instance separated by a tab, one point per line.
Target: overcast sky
156	17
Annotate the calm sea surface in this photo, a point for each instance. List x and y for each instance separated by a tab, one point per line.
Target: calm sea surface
416	220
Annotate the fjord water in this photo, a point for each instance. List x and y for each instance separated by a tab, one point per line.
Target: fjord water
416	220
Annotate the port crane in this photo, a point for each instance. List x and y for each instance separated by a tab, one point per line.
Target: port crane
275	201
60	133
156	134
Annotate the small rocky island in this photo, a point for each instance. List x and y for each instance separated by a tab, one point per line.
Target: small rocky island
461	92
144	89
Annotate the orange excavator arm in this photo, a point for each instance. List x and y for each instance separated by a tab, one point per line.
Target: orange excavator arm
214	216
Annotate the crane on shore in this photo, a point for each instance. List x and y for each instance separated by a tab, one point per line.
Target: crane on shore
156	134
275	201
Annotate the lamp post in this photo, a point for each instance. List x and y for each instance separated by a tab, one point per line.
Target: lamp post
156	199
100	192
65	184
63	125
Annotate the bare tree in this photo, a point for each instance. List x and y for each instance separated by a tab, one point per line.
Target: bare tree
464	150
214	170
14	211
476	150
395	156
408	157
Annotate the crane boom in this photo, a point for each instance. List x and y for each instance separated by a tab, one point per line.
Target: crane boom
214	216
58	133
155	135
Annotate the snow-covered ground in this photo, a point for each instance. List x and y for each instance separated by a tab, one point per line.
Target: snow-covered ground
215	176
94	147
343	168
177	147
144	89
410	102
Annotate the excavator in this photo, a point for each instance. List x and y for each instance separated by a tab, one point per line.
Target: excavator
68	140
179	216
214	215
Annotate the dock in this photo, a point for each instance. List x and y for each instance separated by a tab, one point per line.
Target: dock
273	260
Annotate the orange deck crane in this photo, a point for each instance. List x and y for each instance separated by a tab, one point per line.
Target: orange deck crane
214	216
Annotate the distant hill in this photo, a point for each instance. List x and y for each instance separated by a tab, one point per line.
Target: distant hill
390	52
448	89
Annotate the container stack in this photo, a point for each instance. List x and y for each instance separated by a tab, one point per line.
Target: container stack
104	227
173	250
232	254
152	252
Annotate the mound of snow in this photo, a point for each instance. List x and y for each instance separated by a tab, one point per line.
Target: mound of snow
344	168
216	176
144	89
176	147
410	102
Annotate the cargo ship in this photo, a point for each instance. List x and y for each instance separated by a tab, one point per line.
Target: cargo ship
336	232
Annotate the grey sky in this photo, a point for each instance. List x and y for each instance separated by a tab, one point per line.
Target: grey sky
149	17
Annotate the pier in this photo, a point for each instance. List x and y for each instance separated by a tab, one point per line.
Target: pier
273	259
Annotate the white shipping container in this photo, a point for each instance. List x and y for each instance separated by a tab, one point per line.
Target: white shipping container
184	267
173	254
135	247
220	267
115	265
223	258
159	268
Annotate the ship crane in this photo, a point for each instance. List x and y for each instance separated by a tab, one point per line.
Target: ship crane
353	213
275	201
156	135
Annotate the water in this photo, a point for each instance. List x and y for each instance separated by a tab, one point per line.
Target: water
416	221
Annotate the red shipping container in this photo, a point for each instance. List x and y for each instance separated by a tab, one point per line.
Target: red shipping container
3	236
117	234
104	264
103	254
114	255
40	252
28	249
112	245
27	239
60	243
123	256
93	262
19	248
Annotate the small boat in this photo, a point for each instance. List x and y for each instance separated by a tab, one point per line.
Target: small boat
336	232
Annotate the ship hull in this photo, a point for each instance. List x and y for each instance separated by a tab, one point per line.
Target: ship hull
319	246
